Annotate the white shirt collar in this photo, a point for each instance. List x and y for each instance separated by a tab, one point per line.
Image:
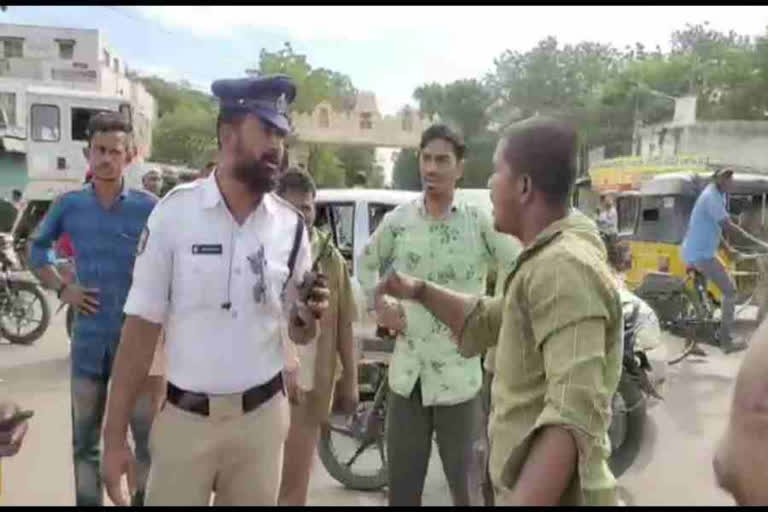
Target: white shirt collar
212	195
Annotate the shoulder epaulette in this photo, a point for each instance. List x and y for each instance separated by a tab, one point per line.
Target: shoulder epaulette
184	187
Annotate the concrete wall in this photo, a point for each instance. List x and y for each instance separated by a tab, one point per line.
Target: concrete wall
41	60
732	142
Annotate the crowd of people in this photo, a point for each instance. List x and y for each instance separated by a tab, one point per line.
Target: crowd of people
220	320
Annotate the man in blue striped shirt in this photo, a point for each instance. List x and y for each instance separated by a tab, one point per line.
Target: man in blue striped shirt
105	221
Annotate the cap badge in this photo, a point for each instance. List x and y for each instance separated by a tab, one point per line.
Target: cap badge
281	105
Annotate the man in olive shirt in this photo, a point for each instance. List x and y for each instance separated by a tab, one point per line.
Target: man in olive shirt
434	389
328	360
557	328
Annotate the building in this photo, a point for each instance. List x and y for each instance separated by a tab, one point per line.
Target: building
362	125
79	60
738	143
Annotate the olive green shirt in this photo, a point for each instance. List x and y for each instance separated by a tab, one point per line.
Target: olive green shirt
341	312
558	329
454	252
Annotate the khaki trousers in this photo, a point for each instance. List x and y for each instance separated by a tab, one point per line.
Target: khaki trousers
238	455
300	447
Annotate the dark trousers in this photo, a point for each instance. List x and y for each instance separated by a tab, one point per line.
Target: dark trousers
89	398
484	441
410	427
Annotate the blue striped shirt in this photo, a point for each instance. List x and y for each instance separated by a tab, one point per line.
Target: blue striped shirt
105	244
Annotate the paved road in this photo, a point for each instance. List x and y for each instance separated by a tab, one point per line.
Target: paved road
673	469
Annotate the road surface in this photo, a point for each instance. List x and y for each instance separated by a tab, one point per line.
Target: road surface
674	467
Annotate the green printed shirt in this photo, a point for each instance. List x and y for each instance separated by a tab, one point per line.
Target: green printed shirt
558	336
454	252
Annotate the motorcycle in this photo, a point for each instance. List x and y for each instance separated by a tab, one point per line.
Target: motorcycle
22	321
362	437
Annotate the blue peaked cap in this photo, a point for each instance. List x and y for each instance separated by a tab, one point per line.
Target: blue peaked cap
267	97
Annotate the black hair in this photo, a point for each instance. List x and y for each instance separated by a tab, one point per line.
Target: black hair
614	249
16	193
104	122
445	132
298	180
545	149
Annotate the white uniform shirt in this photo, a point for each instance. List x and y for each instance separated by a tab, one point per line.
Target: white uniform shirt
195	260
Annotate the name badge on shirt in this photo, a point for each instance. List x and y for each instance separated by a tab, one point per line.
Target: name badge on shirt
207	249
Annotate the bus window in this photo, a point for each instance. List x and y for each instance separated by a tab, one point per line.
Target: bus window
80	119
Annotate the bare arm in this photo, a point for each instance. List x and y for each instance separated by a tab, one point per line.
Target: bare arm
131	367
448	306
728	225
547	471
49	277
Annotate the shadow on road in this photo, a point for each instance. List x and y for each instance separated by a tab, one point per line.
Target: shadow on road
37	376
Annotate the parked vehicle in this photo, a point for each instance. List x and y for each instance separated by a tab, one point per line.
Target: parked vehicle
24	310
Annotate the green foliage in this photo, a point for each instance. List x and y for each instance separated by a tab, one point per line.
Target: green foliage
356	159
602	89
168	96
405	174
185	136
326	167
313	85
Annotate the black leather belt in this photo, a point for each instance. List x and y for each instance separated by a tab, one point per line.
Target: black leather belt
198	402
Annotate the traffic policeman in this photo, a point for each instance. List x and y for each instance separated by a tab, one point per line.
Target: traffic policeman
224	267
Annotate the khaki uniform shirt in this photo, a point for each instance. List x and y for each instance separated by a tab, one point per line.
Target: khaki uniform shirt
558	330
321	357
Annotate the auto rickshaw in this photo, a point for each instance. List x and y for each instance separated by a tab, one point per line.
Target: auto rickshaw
655	219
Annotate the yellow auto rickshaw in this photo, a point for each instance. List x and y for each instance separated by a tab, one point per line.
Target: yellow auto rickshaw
654	221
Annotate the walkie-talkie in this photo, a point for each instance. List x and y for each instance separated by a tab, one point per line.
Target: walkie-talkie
305	291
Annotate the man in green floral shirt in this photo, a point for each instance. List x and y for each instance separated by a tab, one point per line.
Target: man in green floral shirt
434	389
557	329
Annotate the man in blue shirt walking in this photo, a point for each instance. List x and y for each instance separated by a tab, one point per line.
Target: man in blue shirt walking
104	220
702	239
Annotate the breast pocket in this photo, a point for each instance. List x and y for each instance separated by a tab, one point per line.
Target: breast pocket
276	287
129	238
198	281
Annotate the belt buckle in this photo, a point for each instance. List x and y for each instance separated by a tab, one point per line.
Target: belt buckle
225	407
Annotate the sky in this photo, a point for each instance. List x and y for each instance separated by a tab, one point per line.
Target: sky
389	50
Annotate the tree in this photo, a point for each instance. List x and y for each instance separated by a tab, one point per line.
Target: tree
462	103
325	167
168	96
313	85
186	136
356	159
405	175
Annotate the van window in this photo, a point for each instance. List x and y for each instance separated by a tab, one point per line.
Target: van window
45	123
376	214
338	219
80	119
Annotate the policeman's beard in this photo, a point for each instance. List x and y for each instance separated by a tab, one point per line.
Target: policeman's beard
259	176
